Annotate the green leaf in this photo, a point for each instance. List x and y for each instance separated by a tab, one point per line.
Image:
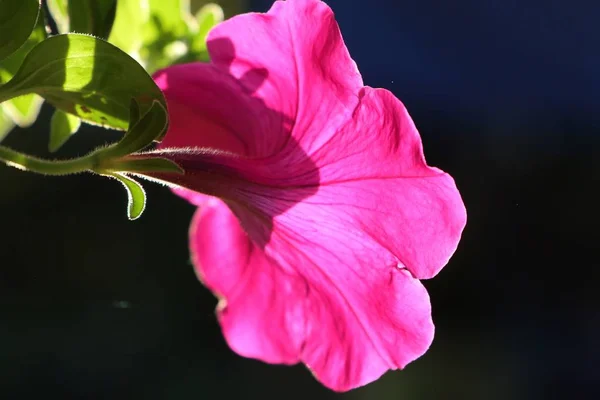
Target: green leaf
6	124
87	77
136	197
16	23
23	110
95	17
126	32
10	65
59	9
62	126
208	16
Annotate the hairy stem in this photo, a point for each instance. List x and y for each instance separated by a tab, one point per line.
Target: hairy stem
58	167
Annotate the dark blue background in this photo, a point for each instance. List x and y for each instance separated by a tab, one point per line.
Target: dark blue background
477	56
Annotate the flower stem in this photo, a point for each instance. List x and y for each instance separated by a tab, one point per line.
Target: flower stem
59	167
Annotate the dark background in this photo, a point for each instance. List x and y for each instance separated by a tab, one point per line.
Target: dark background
505	94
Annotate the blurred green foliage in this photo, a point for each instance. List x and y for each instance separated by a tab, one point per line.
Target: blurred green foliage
90	79
62	126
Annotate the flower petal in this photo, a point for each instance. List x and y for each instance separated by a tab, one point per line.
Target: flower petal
282	304
311	78
373	175
261	307
331	211
208	108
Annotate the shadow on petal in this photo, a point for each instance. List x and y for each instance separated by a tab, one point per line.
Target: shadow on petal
231	145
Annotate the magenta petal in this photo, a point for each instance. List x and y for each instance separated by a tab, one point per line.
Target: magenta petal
379	182
246	100
208	108
285	307
329	212
259	312
309	74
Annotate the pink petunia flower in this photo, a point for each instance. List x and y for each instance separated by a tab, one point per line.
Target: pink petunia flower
317	212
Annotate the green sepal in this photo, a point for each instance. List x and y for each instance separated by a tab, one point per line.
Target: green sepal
139	164
136	196
142	133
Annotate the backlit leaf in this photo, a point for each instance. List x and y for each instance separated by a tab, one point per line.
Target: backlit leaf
85	76
23	110
17	20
